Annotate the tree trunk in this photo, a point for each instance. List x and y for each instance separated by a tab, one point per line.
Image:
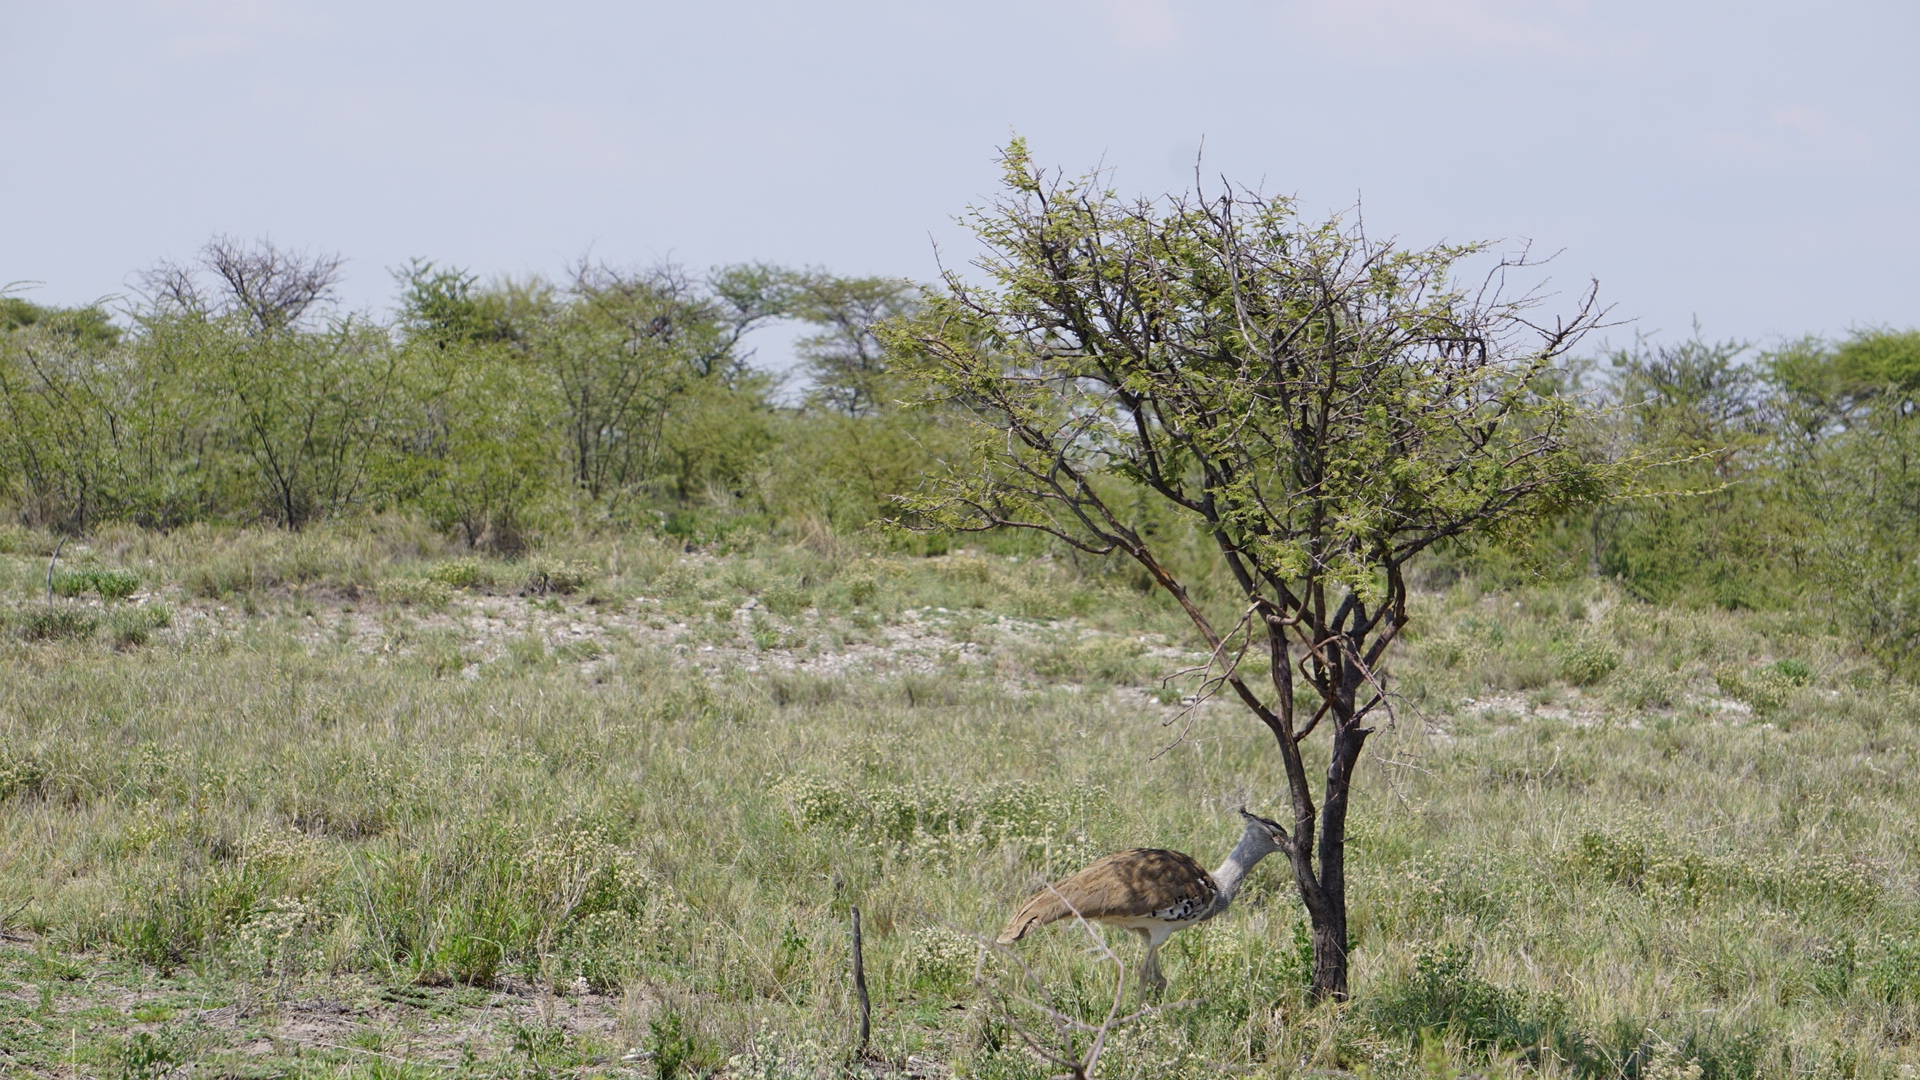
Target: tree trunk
1330	958
1330	929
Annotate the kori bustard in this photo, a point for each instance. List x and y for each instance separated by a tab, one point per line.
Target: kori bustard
1150	891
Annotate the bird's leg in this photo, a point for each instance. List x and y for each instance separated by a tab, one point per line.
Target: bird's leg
1147	963
1150	972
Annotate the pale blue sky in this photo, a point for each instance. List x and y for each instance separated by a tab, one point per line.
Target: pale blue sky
1756	164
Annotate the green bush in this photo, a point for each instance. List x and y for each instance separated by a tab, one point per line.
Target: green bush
1652	863
787	600
110	584
1443	997
1586	662
546	576
132	626
1645	688
1766	688
1791	670
148	1056
461	574
940	959
416	591
937	823
53	623
861	589
20	775
1895	973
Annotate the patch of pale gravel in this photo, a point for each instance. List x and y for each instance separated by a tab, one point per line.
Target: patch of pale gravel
915	641
1583	711
419	1036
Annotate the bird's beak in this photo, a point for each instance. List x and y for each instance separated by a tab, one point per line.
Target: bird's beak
1270	824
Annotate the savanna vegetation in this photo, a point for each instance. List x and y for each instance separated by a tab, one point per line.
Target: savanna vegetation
520	685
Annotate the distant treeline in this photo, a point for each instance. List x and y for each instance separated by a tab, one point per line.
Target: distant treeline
234	391
1786	478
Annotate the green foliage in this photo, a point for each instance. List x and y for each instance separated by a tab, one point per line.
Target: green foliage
1831	381
40	622
109	584
1094	379
426	593
147	1056
842	472
461	574
1766	688
134	625
20	775
1782	481
561	576
670	1044
1444	997
1585	661
845	360
650	385
941	960
90	328
787	599
479	451
443	307
495	409
1700	529
1102	659
1650	861
309	409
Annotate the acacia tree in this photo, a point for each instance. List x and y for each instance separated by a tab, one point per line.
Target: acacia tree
844	358
651	376
1321	406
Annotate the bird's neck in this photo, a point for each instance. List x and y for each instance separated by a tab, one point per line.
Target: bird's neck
1243	858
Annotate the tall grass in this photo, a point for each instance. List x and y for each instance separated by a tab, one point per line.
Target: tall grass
1597	838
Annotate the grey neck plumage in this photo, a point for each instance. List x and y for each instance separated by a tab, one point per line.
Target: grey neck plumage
1240	861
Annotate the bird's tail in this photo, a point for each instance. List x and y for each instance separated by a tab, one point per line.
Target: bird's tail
1044	908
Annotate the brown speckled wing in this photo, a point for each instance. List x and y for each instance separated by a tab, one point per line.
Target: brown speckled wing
1126	884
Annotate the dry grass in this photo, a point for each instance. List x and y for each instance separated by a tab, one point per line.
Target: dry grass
363	805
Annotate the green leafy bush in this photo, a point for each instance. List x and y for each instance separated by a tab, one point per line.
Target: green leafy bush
1895	973
939	959
1645	688
110	584
15	540
461	574
861	589
417	591
1585	662
787	599
1766	688
20	775
37	622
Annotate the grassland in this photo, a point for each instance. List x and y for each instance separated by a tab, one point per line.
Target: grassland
351	803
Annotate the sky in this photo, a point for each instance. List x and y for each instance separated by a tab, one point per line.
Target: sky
1751	166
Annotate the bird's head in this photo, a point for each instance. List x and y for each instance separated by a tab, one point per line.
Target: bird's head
1266	832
